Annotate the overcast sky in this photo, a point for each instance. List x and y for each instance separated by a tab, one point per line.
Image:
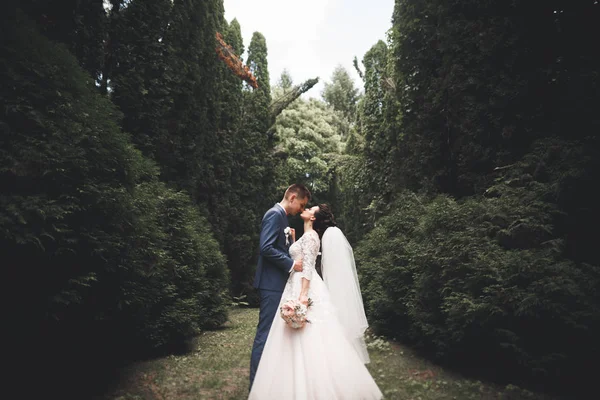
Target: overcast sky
310	37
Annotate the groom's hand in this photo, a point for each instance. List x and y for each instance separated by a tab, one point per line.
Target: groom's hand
298	265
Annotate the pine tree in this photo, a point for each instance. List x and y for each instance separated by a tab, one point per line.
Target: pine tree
110	261
231	112
258	142
252	180
366	176
285	81
341	93
486	105
193	118
141	83
377	123
471	102
259	99
80	24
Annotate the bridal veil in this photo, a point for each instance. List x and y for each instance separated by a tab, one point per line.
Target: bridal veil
341	279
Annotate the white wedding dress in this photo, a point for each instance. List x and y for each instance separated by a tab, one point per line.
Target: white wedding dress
316	362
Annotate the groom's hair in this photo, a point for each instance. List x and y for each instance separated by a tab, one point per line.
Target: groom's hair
299	190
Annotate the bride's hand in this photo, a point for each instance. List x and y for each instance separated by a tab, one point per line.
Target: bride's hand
293	234
298	265
303	299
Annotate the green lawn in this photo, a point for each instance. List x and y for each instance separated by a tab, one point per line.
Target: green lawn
217	368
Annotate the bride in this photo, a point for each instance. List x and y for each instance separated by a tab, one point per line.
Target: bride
325	359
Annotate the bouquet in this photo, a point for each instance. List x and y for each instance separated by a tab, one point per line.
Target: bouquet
294	313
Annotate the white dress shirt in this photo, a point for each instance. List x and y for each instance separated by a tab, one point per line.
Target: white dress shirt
294	263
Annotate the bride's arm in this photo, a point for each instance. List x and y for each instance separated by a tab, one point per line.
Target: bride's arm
304	291
310	249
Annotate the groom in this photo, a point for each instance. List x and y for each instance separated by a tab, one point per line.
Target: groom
275	264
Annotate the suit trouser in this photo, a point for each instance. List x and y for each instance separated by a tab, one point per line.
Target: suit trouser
269	304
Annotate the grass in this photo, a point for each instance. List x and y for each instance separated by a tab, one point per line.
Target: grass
402	374
217	368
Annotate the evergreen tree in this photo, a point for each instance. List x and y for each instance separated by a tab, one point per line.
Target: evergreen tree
259	99
234	37
378	116
252	189
141	83
80	24
105	260
367	177
234	222
491	113
232	100
285	81
258	143
341	93
471	102
193	118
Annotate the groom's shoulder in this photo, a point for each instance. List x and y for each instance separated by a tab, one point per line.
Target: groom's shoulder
271	217
271	211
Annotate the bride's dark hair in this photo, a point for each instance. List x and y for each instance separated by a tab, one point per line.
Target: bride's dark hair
323	219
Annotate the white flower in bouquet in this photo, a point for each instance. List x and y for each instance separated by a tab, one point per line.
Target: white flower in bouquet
294	313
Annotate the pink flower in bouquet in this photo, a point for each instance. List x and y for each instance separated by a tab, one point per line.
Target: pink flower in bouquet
287	310
294	313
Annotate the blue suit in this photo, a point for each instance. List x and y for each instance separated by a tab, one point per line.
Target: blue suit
272	271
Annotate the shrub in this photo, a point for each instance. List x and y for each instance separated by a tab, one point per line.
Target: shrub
95	250
489	279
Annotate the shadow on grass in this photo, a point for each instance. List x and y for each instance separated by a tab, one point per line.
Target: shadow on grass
80	366
485	367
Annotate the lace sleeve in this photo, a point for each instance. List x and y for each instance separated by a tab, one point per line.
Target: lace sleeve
310	249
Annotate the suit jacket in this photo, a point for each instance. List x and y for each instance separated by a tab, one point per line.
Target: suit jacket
274	262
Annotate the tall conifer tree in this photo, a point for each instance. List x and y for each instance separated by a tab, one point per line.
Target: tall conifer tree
141	83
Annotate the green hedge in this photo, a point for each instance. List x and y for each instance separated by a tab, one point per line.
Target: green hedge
91	242
490	279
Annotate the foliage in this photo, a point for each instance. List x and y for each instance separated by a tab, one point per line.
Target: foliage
488	279
188	260
378	117
250	189
193	119
355	211
470	163
260	99
341	93
142	81
81	25
349	196
288	94
187	110
309	134
477	85
366	178
478	189
285	80
100	251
